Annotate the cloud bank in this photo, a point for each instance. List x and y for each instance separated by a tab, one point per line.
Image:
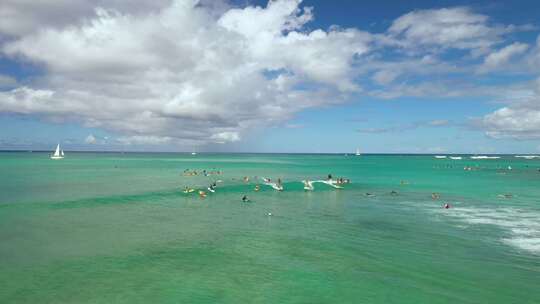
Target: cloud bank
189	72
184	73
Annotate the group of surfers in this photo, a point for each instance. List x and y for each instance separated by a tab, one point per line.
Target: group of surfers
205	172
246	179
213	186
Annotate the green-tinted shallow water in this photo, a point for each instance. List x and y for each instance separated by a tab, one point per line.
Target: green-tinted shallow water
116	228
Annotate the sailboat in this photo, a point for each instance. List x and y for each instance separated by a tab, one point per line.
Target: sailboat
357	152
58	153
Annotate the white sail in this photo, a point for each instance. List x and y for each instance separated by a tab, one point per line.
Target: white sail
357	152
58	154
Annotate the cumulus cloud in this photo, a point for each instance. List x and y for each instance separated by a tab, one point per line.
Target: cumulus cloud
423	45
519	120
185	72
21	17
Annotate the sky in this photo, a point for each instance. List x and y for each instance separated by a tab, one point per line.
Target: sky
280	76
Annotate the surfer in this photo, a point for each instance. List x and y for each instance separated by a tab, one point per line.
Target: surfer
446	206
202	194
435	196
329	176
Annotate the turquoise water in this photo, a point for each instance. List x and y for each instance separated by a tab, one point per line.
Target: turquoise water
116	228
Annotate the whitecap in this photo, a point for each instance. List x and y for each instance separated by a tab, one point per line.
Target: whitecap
521	227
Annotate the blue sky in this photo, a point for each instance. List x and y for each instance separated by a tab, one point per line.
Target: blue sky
284	76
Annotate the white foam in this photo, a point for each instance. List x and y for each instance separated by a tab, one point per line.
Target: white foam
528	156
521	227
529	244
485	157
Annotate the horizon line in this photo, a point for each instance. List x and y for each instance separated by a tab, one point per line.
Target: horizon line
221	152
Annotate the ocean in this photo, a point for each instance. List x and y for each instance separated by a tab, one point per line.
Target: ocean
117	228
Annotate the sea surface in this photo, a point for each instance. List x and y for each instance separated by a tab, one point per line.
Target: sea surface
117	228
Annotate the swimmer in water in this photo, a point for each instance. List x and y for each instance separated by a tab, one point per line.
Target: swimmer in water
202	194
245	199
257	188
435	196
446	206
393	193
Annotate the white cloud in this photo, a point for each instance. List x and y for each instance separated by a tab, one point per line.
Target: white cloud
22	17
503	56
385	77
533	58
519	120
186	73
456	27
90	139
224	137
144	140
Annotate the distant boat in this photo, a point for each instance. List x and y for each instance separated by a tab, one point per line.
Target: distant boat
193	153
440	156
456	157
58	153
358	152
